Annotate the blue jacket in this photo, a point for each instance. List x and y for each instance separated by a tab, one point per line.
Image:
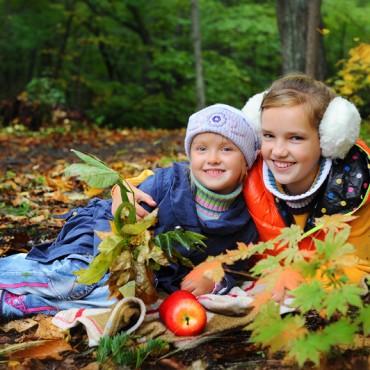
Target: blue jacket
170	188
77	237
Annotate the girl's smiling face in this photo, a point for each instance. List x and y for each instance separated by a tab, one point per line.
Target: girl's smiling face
216	162
290	147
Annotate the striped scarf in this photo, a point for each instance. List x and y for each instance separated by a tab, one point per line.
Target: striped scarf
211	205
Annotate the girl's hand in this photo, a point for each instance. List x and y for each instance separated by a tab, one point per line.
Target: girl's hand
199	286
139	196
197	282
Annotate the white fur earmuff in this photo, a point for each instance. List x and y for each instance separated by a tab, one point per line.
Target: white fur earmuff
252	110
338	129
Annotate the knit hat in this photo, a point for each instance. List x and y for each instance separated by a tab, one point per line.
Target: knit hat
227	121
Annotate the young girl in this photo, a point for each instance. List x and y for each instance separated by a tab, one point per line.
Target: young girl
312	164
204	197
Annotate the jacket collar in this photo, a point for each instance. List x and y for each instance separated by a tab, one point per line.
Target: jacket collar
183	206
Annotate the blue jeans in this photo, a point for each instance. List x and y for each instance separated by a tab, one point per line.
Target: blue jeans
29	287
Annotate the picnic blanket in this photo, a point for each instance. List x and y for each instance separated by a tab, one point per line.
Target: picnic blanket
224	313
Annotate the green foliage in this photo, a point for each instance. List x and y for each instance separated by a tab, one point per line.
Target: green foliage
129	251
187	239
123	350
347	25
44	92
131	64
93	171
24	209
315	281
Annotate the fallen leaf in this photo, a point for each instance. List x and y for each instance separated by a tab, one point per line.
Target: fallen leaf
37	219
44	349
47	330
58	196
19	325
93	192
91	366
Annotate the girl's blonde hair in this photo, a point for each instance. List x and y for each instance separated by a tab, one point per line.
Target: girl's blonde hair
296	89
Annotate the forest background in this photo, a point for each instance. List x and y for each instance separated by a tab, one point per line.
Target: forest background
118	79
149	64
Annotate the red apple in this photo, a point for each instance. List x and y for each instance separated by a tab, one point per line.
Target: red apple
183	314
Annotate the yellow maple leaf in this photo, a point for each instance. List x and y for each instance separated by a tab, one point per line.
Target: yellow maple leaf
334	222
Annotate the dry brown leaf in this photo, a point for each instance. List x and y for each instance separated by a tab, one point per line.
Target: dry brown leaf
91	366
46	349
37	219
172	364
93	192
58	196
19	325
14	365
47	330
60	183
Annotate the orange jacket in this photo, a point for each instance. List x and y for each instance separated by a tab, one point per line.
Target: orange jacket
269	222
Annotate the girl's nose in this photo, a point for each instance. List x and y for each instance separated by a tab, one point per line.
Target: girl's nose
279	149
213	156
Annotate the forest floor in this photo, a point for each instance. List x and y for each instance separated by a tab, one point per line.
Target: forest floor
33	188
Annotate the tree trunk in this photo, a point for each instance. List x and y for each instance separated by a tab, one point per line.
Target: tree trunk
313	38
69	7
301	42
197	42
292	24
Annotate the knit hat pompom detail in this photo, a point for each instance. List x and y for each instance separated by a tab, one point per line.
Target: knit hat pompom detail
339	128
227	121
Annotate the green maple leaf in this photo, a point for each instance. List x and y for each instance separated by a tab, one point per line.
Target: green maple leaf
309	296
341	298
340	332
290	236
260	248
290	255
364	317
265	266
267	316
334	245
307	348
309	268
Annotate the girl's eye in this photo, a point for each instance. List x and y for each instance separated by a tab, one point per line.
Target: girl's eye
227	149
296	138
267	135
200	148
